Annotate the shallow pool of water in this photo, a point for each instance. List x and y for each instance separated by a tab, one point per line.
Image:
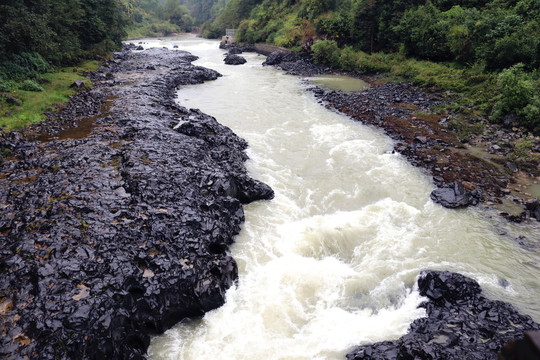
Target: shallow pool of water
339	82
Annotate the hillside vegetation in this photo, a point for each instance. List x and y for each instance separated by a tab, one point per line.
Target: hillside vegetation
489	50
41	41
164	17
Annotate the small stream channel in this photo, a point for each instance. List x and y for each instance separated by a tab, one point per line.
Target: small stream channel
331	262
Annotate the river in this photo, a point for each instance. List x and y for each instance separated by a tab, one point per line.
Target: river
332	261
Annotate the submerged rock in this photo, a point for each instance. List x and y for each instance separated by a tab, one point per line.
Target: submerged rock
454	195
460	324
234	60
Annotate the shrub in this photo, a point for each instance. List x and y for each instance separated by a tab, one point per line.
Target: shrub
5	86
377	62
518	95
326	52
522	149
29	85
23	66
347	59
516	89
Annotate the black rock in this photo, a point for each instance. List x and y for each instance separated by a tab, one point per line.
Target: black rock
78	84
442	286
460	324
234	60
509	120
12	100
235	51
512	166
274	58
453	196
533	209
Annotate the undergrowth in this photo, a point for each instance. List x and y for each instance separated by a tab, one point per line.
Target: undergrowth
55	90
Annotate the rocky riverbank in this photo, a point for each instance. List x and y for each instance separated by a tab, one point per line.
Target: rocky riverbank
428	140
460	324
117	214
434	140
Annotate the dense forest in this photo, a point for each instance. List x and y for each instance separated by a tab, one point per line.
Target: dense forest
500	33
37	34
496	43
163	17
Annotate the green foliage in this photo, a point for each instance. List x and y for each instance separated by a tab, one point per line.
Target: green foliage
347	59
335	26
423	32
516	89
310	9
374	63
177	14
56	90
519	95
292	33
5	85
326	52
522	149
29	85
24	65
37	33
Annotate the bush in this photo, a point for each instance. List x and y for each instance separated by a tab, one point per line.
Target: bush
518	95
24	66
29	85
5	86
326	52
516	89
522	149
347	59
377	62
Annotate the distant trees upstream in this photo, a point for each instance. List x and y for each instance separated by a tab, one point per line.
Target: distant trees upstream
490	49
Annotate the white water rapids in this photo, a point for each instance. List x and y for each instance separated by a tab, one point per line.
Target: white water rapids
332	261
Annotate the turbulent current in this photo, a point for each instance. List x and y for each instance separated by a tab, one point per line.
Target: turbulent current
331	262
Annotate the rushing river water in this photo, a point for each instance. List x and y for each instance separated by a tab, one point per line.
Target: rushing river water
332	261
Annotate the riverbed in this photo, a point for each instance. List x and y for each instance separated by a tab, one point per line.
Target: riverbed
331	262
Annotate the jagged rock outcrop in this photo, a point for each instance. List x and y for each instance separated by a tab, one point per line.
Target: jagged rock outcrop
460	324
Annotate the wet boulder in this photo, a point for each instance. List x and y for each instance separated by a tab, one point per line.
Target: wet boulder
532	209
527	348
444	286
235	51
78	84
274	58
454	195
234	60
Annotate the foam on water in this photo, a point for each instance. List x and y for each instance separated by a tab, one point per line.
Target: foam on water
332	261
